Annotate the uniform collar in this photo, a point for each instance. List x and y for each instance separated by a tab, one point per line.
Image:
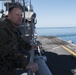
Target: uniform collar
9	21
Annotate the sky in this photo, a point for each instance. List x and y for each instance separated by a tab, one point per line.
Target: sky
55	13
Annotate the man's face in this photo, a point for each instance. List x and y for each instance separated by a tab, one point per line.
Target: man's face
16	16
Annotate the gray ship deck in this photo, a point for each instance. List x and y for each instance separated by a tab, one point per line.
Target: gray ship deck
59	54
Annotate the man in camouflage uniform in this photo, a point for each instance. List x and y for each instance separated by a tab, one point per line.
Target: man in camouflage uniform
11	42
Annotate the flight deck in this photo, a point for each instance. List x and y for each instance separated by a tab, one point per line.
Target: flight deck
61	55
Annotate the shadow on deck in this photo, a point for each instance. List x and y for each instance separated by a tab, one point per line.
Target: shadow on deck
61	64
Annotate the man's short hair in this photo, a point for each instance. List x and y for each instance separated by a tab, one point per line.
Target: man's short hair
13	6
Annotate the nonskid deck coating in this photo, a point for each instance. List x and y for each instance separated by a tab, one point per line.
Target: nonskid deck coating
59	60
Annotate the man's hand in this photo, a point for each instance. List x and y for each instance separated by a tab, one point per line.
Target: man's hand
32	66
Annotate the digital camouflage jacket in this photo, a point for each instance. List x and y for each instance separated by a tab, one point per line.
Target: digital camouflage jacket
10	43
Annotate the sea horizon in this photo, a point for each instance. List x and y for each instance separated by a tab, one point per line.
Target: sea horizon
56	27
65	33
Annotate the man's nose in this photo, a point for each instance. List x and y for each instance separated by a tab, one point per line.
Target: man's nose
20	16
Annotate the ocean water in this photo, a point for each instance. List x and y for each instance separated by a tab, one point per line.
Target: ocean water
65	33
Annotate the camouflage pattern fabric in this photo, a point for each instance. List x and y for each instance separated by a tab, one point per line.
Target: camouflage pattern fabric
10	43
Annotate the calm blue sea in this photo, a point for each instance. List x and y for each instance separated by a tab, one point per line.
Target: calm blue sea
65	33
